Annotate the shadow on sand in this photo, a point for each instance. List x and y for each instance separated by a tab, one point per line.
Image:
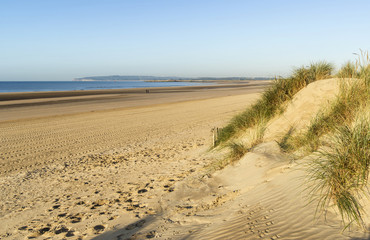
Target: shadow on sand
136	230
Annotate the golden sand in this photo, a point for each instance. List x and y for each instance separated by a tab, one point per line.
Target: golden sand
132	165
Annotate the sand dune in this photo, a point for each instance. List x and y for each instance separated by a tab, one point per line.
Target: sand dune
303	107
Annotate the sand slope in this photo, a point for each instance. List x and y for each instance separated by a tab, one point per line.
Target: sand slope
303	107
261	197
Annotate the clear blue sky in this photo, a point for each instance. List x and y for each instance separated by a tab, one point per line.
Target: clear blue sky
61	40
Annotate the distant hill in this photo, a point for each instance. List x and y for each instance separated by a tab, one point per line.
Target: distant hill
146	78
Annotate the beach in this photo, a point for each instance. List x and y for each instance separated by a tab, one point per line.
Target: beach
80	164
185	120
135	164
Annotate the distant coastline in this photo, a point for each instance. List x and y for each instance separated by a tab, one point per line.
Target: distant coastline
82	85
165	79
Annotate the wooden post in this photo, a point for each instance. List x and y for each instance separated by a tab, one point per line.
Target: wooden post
213	135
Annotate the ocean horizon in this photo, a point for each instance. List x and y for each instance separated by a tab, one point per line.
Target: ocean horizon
45	86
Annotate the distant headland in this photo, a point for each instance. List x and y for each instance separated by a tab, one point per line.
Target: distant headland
156	78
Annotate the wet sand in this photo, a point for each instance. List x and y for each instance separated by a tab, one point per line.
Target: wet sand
36	104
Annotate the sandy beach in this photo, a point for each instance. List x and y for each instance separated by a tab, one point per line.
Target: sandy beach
185	120
133	165
78	166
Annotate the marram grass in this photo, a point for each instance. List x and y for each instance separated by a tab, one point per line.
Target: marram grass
273	99
340	174
354	93
348	71
237	150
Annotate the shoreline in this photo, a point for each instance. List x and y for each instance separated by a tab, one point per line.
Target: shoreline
15	106
6	96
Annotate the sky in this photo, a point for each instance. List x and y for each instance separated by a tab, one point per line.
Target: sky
57	40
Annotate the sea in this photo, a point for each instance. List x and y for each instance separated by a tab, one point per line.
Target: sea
42	86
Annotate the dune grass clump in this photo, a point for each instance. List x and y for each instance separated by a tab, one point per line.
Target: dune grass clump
340	174
341	111
353	95
348	71
253	137
237	150
272	100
